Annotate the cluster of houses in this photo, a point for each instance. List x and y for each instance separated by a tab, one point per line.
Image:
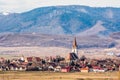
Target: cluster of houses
72	63
60	64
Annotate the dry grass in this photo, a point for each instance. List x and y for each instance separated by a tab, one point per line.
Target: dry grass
119	75
57	76
16	52
11	52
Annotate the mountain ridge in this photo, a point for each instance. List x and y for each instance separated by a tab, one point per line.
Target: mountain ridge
66	20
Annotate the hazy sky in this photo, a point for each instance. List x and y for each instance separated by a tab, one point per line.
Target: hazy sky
25	5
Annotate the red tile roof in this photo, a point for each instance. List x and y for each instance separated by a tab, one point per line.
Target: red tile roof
30	59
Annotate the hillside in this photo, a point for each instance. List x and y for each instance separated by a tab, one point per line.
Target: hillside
45	40
71	20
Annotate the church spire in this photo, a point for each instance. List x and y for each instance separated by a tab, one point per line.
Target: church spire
74	46
74	43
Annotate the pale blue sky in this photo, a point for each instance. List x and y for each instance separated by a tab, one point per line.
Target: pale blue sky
25	5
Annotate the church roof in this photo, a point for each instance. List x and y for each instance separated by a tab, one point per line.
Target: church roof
72	56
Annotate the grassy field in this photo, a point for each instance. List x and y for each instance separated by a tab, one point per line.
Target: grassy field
17	52
36	75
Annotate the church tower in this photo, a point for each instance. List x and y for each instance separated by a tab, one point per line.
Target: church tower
74	47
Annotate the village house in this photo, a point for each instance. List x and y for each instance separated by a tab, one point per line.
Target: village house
119	67
86	70
65	69
58	68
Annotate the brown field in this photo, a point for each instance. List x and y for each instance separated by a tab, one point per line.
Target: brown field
17	52
8	52
37	75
